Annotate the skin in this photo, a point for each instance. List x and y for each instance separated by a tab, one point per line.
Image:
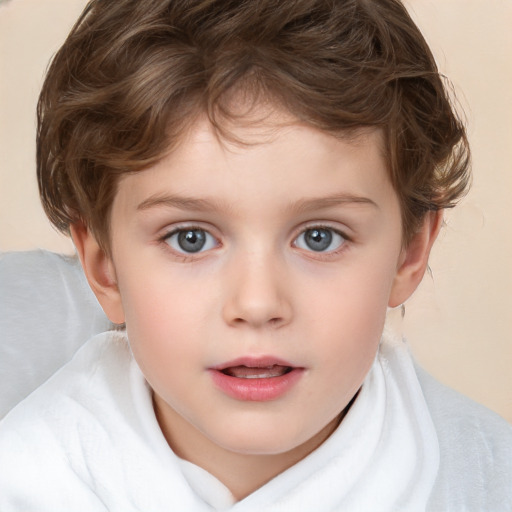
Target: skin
257	288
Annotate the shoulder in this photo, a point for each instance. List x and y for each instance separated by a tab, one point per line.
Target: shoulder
475	451
88	440
92	373
56	436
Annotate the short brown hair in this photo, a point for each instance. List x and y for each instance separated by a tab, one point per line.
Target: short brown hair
133	75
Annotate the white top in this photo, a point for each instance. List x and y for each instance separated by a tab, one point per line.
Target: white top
88	440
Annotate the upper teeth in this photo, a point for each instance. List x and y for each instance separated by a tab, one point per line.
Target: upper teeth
244	372
259	376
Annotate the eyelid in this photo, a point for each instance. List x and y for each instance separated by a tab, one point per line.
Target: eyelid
332	226
170	229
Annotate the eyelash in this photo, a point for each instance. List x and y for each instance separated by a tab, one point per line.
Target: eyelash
189	256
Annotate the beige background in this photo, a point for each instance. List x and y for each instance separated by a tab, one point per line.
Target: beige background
460	321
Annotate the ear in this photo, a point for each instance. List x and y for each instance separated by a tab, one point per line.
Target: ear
414	259
100	272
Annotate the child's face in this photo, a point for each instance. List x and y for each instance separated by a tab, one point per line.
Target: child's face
282	255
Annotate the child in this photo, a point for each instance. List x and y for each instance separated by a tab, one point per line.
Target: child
249	186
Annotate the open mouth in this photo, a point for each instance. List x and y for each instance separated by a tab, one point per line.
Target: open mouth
256	379
251	372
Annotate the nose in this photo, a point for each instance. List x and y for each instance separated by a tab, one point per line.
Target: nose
258	294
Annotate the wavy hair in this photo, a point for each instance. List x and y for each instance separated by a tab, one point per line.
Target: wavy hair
132	76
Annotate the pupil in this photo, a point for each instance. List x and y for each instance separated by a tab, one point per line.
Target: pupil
318	239
192	241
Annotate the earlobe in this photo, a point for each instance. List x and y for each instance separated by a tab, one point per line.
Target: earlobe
100	272
414	259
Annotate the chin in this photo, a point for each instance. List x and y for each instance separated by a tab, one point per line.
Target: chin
256	443
269	439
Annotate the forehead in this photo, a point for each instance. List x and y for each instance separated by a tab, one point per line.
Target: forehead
264	154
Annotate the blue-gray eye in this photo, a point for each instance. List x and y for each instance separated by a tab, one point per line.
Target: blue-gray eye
191	240
319	240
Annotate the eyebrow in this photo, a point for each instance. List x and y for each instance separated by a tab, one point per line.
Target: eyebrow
322	203
300	206
180	202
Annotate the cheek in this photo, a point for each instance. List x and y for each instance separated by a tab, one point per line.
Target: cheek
163	318
156	295
354	298
350	319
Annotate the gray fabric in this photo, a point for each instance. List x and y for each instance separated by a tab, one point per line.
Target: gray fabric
475	444
47	311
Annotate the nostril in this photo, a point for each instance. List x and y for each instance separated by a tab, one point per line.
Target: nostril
272	322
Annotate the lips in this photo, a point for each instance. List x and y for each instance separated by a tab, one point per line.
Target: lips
256	379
